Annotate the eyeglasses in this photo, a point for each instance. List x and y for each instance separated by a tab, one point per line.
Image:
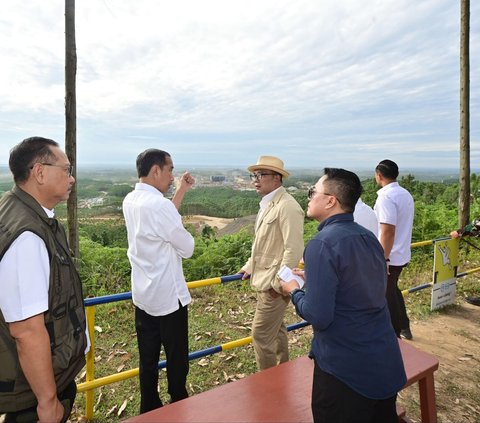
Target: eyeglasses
67	168
312	191
259	175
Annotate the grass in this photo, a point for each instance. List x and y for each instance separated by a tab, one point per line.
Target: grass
219	314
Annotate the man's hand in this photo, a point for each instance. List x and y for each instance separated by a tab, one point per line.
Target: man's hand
244	274
50	412
299	271
290	286
273	293
186	182
387	238
34	354
454	234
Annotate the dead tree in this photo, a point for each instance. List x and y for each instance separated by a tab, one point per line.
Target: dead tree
464	177
71	120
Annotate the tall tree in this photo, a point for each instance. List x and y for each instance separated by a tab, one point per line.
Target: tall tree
71	120
464	193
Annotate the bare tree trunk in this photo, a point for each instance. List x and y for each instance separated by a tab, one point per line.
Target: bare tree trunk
464	193
71	120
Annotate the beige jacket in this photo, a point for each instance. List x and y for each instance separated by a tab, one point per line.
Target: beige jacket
278	241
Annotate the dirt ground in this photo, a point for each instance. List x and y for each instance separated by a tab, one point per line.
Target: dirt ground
223	226
454	338
200	221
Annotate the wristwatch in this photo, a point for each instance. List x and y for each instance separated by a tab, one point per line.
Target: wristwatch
292	293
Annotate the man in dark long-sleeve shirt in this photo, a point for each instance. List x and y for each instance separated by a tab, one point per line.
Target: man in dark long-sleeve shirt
358	364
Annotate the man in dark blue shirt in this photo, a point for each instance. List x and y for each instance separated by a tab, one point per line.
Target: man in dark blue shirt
358	363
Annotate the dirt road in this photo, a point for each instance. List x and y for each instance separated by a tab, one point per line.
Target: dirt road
454	338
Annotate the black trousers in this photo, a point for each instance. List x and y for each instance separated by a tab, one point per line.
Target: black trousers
395	301
29	415
171	331
335	402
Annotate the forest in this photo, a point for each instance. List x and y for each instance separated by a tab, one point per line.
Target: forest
104	265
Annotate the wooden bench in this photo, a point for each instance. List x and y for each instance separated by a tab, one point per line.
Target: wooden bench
283	394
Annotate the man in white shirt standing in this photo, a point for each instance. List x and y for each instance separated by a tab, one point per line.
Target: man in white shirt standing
42	317
395	211
157	243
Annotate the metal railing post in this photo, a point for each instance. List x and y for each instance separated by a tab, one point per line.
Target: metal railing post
90	375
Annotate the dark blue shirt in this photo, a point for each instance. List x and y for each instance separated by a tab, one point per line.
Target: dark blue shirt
344	300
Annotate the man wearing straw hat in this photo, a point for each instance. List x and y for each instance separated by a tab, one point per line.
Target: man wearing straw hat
278	241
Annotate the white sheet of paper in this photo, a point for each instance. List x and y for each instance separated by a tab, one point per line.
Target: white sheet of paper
286	275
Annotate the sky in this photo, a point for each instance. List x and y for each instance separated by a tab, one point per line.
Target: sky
220	82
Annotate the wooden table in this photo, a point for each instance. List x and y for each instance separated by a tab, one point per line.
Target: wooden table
283	394
420	367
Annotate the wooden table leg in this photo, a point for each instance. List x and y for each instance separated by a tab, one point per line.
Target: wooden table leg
428	407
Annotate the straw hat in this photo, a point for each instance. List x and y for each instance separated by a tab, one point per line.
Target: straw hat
270	163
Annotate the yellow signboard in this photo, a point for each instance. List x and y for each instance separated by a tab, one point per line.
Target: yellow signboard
445	266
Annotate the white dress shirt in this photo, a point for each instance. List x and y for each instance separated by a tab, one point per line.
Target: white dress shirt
157	242
25	284
365	216
395	206
263	205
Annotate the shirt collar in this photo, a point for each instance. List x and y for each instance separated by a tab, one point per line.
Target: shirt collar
142	186
341	217
387	187
50	213
267	198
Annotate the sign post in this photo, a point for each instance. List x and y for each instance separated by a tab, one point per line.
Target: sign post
445	266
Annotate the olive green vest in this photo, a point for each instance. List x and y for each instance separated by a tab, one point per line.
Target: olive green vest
65	317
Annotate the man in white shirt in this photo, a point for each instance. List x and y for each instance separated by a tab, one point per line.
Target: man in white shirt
395	211
42	317
364	215
157	243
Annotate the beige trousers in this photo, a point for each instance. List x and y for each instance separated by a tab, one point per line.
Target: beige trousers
269	333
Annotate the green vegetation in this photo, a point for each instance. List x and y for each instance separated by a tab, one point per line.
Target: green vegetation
104	264
220	202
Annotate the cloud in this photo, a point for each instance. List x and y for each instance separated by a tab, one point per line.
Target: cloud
344	77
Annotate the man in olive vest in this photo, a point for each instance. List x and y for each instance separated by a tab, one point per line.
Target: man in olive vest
42	318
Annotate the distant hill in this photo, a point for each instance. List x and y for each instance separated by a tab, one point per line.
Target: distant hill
127	173
237	224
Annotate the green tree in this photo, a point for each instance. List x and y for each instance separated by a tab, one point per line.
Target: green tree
221	257
370	189
103	270
409	183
